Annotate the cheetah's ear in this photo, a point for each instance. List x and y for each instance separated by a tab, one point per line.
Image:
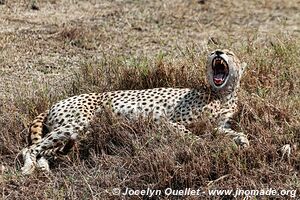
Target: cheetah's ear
243	67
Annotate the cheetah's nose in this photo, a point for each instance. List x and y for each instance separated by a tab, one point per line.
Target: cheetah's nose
219	52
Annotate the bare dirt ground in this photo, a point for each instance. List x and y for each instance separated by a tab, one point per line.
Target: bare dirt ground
57	48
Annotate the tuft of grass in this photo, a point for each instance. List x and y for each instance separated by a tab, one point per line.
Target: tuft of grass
123	73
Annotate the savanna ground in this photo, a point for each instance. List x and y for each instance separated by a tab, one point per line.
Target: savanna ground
57	48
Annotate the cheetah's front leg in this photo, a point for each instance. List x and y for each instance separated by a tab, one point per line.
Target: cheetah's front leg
183	130
225	127
239	137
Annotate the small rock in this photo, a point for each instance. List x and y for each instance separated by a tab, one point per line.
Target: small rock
286	150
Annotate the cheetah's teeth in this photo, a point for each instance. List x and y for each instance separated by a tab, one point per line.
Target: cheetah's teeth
218	61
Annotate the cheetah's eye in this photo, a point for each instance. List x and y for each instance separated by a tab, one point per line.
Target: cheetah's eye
229	53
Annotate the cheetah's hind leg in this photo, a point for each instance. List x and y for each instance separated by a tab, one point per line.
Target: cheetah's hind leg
29	162
48	146
42	164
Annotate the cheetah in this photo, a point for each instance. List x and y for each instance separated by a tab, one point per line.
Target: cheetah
55	131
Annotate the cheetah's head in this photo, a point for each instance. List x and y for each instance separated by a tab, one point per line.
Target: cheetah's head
224	70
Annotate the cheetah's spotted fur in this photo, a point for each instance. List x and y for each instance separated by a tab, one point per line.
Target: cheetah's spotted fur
55	131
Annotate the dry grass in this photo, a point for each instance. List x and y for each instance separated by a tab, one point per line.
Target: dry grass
58	48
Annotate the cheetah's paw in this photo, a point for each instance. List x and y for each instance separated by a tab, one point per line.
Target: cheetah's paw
29	163
42	164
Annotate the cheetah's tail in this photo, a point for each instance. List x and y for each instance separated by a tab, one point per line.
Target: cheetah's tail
38	129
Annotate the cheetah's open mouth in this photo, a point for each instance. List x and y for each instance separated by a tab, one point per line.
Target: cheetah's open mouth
220	69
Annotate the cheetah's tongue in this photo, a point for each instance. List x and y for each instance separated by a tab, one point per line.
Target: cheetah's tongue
218	78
